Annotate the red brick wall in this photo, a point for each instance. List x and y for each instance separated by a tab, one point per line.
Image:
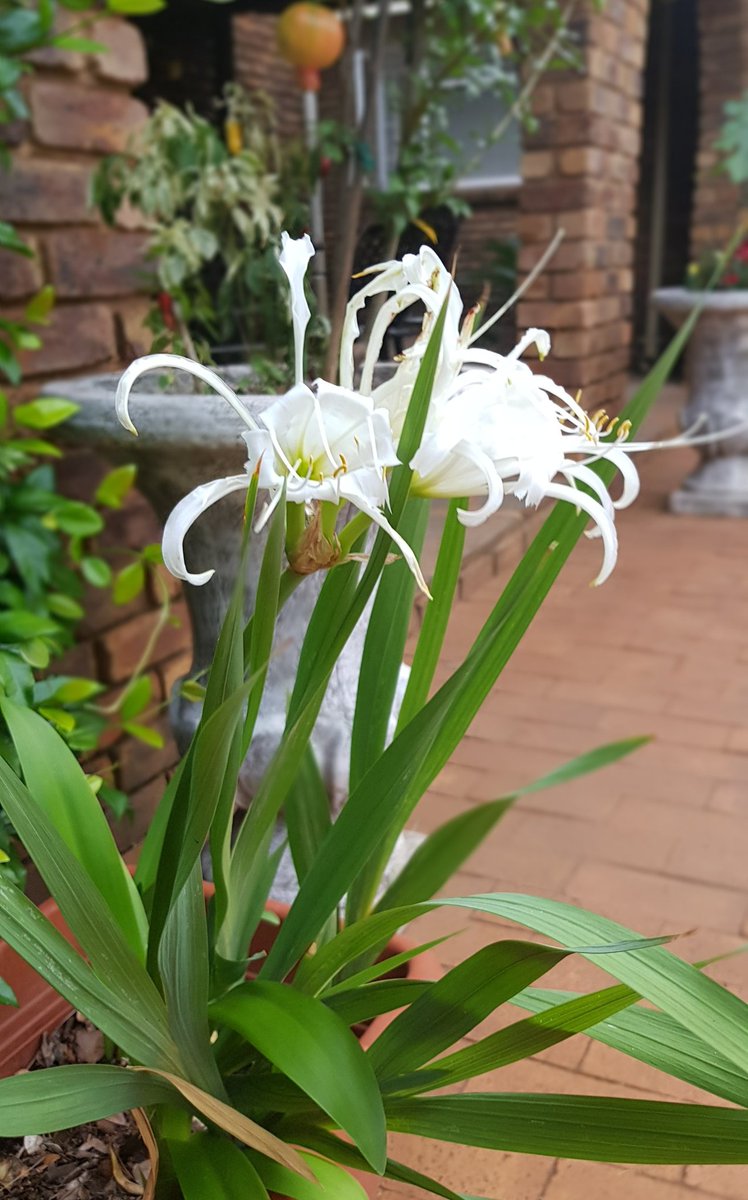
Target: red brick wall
81	108
723	75
580	172
258	65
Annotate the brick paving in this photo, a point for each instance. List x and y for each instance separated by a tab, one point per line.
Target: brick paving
658	842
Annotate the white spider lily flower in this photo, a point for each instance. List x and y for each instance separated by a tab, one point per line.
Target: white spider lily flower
506	431
328	444
319	444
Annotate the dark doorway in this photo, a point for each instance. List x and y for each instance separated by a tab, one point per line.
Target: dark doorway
189	54
669	146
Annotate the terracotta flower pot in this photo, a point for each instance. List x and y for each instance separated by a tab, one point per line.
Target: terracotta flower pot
41	1010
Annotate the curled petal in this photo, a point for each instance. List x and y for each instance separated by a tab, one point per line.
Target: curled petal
579	473
629	475
294	259
539	337
494	488
176	362
594	510
183	517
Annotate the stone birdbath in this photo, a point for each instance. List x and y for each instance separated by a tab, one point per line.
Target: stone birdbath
716	373
187	438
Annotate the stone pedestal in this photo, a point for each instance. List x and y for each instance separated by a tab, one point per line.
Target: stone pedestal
716	371
187	438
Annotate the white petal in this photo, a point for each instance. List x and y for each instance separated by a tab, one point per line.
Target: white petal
562	491
540	337
183	517
350	490
494	488
153	362
261	455
294	259
629	474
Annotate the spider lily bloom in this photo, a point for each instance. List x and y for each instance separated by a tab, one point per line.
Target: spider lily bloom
320	445
500	434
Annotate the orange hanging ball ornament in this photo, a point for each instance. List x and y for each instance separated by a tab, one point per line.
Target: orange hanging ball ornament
310	36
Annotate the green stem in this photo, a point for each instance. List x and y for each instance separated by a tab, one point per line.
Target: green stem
295	526
351	532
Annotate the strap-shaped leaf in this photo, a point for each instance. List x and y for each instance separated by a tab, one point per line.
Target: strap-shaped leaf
362	1003
454	1005
311	1045
444	851
317	971
520	1040
127	983
185	971
236	1124
343	1152
208	1165
597	1128
47	1101
384	647
652	1038
676	987
138	1026
55	779
332	1182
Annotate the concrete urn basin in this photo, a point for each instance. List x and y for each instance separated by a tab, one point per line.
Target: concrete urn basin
717	373
187	438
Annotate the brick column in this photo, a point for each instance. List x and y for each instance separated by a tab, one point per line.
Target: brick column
579	171
723	75
259	66
80	109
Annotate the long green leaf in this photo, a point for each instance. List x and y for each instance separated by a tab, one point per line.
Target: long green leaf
359	1004
436	615
678	988
265	615
91	922
454	1005
652	1038
587	1127
139	1029
307	812
224	680
521	1039
385	966
332	1182
445	850
58	784
384	648
210	1166
317	971
47	1101
342	1152
312	1046
185	969
194	805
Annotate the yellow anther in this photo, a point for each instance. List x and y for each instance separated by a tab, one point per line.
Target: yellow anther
624	431
342	469
612	426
